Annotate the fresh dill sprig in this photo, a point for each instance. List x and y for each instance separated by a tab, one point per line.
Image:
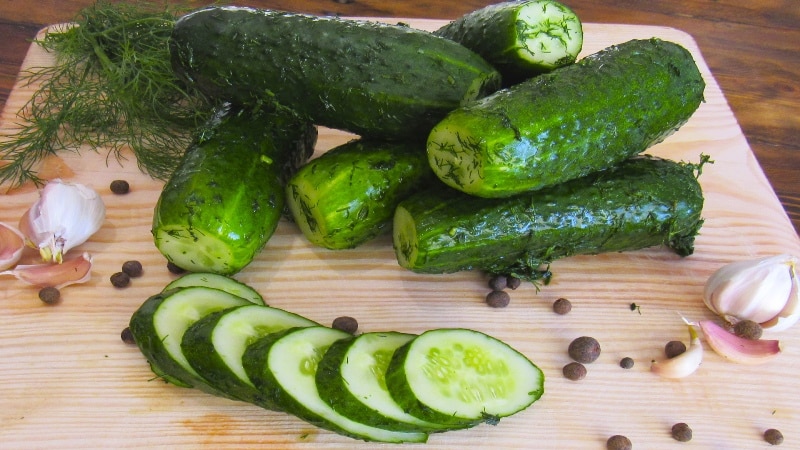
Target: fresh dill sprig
110	88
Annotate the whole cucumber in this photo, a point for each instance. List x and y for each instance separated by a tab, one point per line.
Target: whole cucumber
369	78
570	122
347	195
643	202
225	198
520	38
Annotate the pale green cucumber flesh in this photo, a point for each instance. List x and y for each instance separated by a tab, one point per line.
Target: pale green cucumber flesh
548	34
217	281
214	346
462	377
351	378
288	372
159	324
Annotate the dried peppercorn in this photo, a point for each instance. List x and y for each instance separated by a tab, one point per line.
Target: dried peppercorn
127	336
498	282
674	348
681	432
626	362
49	295
619	442
584	349
345	323
574	371
120	187
773	436
562	306
132	268
498	299
513	282
748	329
120	279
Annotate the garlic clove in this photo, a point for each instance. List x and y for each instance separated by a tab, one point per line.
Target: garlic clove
71	271
791	311
684	364
738	349
12	243
64	216
758	290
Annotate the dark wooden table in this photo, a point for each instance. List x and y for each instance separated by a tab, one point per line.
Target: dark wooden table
751	47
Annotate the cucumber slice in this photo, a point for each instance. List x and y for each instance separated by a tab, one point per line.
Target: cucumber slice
284	365
351	378
214	346
460	378
217	281
160	322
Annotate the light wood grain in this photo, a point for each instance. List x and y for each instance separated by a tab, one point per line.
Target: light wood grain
68	381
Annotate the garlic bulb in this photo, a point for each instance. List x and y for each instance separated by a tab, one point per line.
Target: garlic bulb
64	216
12	242
764	290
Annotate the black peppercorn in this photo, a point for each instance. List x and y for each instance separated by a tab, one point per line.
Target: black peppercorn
346	324
120	279
626	362
132	268
498	299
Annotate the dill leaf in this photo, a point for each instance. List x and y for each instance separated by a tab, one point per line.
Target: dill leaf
111	88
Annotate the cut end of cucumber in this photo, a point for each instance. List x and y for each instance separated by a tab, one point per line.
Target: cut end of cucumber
466	374
404	237
550	35
454	154
197	252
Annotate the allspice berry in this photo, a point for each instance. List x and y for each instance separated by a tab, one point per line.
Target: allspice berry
626	362
562	306
574	371
619	442
49	295
498	299
773	437
748	329
681	432
674	348
584	349
345	323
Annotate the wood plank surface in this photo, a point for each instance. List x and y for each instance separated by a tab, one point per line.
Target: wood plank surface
67	380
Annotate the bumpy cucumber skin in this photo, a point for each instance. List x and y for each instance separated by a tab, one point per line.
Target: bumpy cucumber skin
229	190
643	202
493	32
199	349
255	361
334	390
347	196
145	335
570	122
375	80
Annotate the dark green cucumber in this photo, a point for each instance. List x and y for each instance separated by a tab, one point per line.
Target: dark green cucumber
461	378
373	79
351	377
224	200
159	323
284	365
520	38
215	344
216	281
643	202
570	122
347	195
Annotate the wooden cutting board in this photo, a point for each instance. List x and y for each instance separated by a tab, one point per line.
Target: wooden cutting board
67	381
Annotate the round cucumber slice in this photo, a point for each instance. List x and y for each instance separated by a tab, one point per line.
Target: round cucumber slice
217	281
460	378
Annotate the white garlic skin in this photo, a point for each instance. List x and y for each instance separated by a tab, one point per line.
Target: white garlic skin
65	215
763	290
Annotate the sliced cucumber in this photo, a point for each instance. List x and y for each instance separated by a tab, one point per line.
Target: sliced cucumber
284	365
160	322
215	344
460	378
217	281
351	378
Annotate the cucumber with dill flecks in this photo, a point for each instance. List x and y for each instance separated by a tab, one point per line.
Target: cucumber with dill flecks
520	38
224	200
284	365
351	377
347	195
460	378
564	124
643	202
215	344
158	326
369	78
